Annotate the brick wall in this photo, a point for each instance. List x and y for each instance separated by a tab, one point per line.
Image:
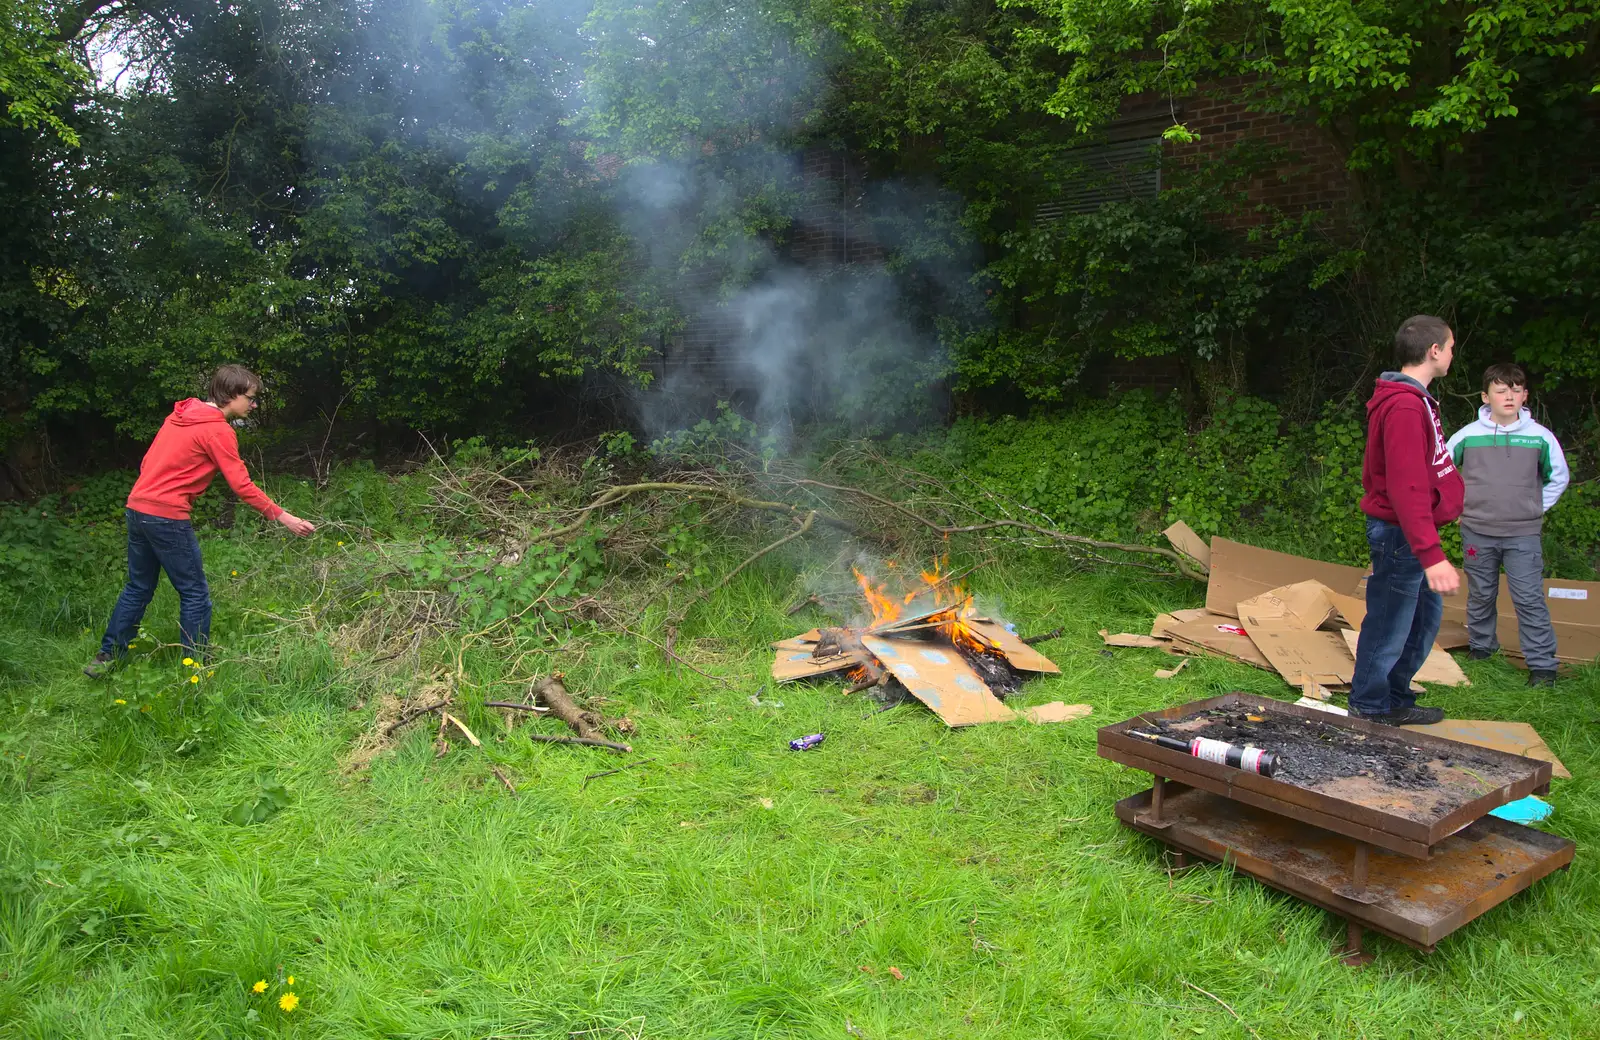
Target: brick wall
1313	174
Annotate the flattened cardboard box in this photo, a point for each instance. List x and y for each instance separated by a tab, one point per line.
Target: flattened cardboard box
939	678
1574	614
1517	738
1240	572
1210	636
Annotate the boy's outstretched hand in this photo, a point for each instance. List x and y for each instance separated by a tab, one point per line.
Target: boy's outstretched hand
295	524
1442	578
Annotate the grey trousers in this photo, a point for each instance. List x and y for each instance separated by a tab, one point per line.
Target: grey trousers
1523	560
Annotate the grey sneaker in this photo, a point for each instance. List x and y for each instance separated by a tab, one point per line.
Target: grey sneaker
1541	678
100	666
1479	655
1416	715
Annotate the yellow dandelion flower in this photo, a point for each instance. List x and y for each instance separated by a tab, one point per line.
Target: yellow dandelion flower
291	980
341	545
235	574
288	1002
119	700
211	673
144	707
259	987
188	662
194	678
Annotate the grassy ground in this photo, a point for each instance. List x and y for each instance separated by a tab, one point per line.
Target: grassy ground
723	887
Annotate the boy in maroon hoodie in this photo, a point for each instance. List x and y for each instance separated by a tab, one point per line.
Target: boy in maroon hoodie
1411	490
195	442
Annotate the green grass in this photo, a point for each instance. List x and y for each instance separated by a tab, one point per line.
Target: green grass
420	899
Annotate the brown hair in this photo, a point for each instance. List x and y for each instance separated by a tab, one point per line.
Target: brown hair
1417	334
1505	372
230	381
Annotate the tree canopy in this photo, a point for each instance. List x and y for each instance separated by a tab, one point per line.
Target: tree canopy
446	215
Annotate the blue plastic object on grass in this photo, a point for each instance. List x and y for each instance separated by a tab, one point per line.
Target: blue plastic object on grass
1524	810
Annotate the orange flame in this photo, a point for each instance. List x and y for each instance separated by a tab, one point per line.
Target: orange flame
884	608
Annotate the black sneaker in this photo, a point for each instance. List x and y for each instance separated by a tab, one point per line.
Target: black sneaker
1479	655
1416	715
1541	678
100	666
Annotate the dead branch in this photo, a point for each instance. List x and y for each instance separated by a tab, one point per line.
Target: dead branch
612	496
516	705
504	780
805	526
555	696
1185	566
550	738
1054	633
415	714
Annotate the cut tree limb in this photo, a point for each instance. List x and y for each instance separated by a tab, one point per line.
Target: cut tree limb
585	724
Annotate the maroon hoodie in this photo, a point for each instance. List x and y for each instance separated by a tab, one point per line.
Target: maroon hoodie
1408	474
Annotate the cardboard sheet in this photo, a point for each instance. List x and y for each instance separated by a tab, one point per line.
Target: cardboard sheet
1574	613
1056	711
790	665
1239	572
940	679
1304	605
1184	539
1023	657
1126	639
1440	668
800	642
1177	617
1517	738
1209	636
1298	655
1353	609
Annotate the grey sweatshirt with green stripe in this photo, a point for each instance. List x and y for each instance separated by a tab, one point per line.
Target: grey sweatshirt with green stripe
1514	474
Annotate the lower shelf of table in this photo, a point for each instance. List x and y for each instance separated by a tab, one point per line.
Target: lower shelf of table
1416	901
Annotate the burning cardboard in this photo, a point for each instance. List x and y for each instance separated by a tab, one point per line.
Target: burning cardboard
930	641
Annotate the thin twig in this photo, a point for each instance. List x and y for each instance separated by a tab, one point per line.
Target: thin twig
516	706
805	525
1054	633
413	716
1226	1006
619	769
504	780
549	738
665	650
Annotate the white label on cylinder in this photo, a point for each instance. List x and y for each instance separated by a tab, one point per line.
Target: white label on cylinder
1251	759
1210	750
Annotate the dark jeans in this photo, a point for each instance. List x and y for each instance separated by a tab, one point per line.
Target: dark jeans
156	544
1402	622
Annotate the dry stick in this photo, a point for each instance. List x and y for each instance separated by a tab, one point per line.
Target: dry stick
504	780
516	705
413	716
620	769
1225	1005
549	738
658	646
1182	562
805	526
803	604
1054	633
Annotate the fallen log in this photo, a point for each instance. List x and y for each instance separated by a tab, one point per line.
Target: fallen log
585	724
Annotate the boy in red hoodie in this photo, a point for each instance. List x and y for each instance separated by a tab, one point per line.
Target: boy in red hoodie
195	442
1411	490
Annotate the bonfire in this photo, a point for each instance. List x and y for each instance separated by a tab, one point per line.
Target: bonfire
928	641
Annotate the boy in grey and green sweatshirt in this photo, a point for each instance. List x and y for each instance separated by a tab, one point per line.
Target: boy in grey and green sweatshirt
1514	472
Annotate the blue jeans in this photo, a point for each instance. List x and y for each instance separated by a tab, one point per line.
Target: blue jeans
156	544
1402	622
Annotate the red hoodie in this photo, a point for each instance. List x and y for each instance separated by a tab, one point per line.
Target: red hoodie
190	447
1407	474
